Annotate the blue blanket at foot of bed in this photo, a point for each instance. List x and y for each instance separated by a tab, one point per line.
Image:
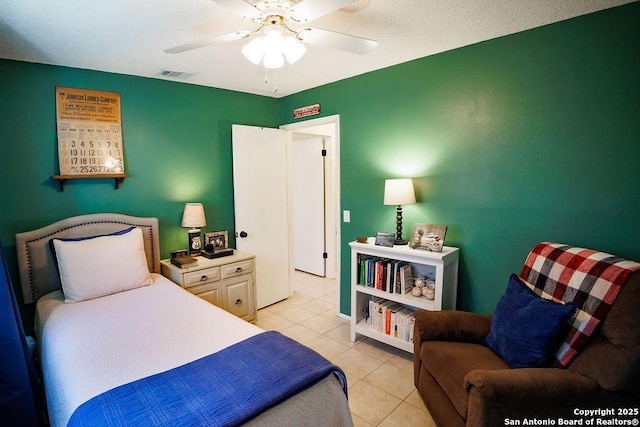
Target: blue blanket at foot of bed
223	389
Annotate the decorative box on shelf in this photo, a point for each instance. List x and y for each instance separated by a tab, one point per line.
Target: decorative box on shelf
382	280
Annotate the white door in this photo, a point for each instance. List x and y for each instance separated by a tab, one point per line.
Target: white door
308	199
261	207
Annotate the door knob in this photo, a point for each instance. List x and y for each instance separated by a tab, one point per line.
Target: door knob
243	234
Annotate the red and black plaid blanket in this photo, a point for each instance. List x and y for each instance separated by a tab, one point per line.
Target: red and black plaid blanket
589	279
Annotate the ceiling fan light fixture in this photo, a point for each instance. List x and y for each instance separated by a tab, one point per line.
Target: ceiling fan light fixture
293	49
254	50
272	49
273	41
273	60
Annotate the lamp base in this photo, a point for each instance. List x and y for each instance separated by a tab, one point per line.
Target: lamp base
195	242
399	241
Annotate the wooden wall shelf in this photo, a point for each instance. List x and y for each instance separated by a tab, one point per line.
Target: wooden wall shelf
118	177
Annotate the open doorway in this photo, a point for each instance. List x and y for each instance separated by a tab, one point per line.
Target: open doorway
310	132
308	200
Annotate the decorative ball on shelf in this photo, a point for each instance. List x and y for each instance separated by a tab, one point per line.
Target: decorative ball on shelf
431	284
416	291
429	293
420	282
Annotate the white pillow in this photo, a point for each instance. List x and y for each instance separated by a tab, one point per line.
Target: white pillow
102	265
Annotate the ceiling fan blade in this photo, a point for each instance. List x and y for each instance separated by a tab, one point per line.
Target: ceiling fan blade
242	8
207	41
308	10
335	40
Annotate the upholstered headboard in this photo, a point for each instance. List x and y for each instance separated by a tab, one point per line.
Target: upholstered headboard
38	273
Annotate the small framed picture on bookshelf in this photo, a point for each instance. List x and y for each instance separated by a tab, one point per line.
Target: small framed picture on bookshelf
216	240
428	237
384	239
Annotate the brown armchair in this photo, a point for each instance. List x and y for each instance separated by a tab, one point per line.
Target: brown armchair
463	382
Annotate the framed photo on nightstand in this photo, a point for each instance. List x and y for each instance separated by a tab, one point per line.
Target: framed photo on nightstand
216	240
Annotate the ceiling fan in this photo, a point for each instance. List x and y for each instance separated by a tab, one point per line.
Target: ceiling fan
278	41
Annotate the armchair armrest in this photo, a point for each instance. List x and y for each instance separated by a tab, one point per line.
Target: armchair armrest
450	325
495	396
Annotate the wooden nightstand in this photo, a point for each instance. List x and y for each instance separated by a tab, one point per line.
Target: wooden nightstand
228	282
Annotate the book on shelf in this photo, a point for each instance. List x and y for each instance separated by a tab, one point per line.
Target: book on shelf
184	261
396	276
405	321
379	274
384	274
391	318
383	278
362	269
389	276
406	281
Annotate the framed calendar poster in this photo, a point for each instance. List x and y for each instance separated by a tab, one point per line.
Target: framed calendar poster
89	133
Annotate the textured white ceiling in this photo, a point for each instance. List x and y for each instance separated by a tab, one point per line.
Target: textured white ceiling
129	36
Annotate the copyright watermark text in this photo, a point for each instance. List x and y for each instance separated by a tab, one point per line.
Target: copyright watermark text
584	417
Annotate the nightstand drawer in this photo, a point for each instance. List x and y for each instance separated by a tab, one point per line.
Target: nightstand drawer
201	277
208	292
237	268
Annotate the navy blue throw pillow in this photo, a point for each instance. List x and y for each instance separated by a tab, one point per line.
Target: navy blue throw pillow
525	327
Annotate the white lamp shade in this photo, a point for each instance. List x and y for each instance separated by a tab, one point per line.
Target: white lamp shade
273	60
293	49
399	192
254	50
193	215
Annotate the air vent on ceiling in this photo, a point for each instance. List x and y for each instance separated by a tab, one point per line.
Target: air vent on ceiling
176	74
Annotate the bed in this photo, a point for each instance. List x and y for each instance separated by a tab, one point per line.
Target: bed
123	345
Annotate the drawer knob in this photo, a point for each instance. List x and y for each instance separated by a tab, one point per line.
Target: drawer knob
203	278
238	301
239	270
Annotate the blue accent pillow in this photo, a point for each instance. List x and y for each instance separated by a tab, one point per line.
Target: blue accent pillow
525	327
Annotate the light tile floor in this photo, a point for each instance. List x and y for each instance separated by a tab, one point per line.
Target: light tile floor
380	377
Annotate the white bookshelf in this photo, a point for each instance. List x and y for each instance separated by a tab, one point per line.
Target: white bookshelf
442	267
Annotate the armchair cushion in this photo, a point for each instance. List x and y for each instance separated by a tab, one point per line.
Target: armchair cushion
526	327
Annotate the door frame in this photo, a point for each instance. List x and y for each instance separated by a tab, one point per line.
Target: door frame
325	126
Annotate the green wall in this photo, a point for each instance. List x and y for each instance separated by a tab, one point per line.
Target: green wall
525	138
177	140
521	139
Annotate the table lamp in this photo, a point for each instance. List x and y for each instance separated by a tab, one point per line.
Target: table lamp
193	217
399	192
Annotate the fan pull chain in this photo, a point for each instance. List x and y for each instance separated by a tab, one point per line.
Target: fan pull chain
266	79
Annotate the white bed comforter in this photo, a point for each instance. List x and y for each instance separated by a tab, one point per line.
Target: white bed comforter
92	346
